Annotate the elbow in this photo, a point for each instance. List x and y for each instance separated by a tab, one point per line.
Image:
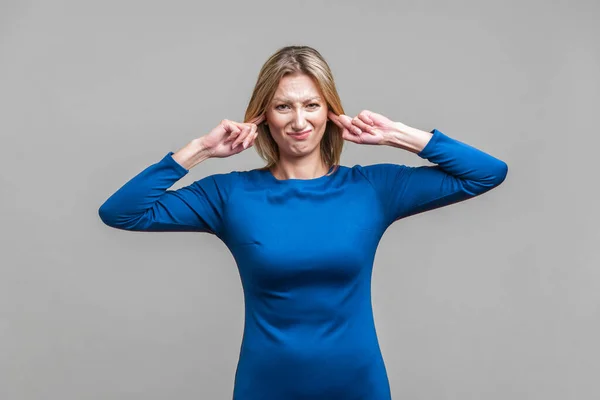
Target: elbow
106	216
500	172
117	220
111	217
495	176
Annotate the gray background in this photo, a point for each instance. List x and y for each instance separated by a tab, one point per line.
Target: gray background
494	298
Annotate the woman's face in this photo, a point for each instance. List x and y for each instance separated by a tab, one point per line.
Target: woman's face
297	106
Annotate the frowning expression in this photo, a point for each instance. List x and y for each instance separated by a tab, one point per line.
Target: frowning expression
298	106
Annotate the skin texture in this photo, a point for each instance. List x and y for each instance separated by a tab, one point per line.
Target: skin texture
298	105
375	129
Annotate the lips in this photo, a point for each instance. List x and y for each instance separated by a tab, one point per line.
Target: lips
299	133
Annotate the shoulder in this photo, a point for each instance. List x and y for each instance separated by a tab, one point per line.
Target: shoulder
378	167
219	185
373	172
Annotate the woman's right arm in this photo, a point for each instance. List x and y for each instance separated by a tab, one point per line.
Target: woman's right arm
144	203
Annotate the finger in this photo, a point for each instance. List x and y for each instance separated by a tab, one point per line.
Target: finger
250	137
253	128
231	127
377	119
346	122
360	126
340	121
238	124
333	117
235	134
258	119
245	130
365	116
251	143
346	135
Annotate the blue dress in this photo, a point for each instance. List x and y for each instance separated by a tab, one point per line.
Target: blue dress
304	251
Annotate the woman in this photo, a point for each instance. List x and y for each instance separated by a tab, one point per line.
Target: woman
304	229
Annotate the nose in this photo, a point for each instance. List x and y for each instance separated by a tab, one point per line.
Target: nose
299	123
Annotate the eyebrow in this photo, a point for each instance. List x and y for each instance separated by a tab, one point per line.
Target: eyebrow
305	100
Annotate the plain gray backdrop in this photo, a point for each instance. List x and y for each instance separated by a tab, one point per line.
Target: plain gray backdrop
493	298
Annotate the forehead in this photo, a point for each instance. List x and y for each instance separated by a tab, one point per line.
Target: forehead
297	87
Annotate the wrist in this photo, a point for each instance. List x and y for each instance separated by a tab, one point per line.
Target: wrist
408	138
192	154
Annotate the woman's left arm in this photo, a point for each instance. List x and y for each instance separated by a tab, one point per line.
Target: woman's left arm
461	171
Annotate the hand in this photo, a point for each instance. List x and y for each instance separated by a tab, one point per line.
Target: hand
366	128
230	137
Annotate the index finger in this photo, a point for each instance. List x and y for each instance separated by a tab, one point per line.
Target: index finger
258	119
332	116
335	119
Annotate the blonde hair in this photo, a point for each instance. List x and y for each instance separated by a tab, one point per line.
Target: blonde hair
289	60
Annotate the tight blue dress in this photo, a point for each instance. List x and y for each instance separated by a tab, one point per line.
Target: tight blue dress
304	250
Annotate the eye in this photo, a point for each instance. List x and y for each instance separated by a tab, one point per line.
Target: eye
315	105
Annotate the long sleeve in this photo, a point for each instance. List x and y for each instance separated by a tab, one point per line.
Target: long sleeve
462	172
145	204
